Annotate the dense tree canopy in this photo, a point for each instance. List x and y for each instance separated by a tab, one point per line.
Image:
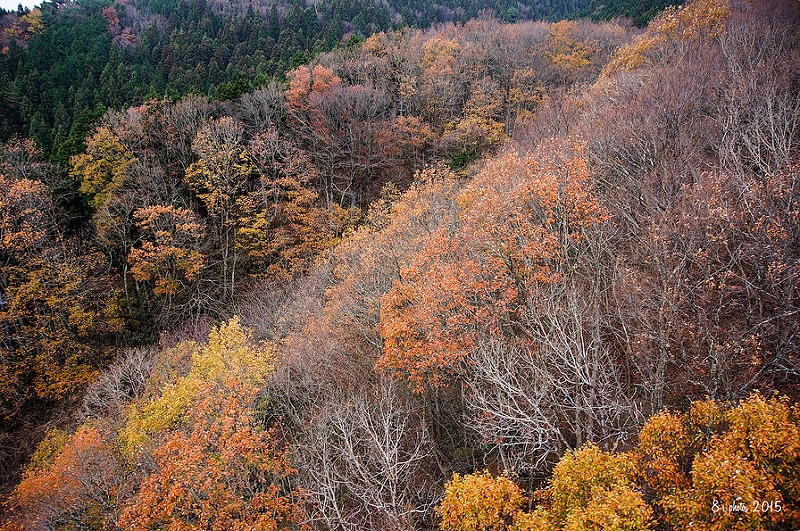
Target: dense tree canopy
487	276
64	63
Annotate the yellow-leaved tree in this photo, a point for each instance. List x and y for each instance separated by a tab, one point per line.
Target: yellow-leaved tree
716	467
591	490
229	355
220	178
101	169
695	22
210	465
480	502
215	467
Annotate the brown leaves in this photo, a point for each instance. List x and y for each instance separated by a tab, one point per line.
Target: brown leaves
169	254
521	223
725	255
218	474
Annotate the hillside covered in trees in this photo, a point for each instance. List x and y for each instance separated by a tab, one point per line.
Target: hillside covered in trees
490	276
64	63
174	208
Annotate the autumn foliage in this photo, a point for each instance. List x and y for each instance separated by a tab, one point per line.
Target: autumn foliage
704	465
218	473
480	502
194	457
169	254
58	311
78	484
521	223
501	270
714	467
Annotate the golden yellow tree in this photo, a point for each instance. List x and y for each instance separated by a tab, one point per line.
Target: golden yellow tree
725	468
219	178
480	502
101	169
215	467
58	313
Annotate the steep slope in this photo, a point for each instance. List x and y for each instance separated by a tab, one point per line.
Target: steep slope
175	208
64	64
632	250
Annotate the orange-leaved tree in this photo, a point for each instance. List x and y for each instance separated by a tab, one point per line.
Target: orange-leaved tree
521	227
215	466
72	482
221	472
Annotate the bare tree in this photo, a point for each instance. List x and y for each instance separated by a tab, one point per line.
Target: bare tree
759	114
362	461
122	382
534	403
262	109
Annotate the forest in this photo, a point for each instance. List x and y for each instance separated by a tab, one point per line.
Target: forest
63	64
488	275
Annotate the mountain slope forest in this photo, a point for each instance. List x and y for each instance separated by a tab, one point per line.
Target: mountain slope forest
481	276
64	63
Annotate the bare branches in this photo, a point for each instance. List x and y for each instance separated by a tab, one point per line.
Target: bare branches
534	403
362	461
124	381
